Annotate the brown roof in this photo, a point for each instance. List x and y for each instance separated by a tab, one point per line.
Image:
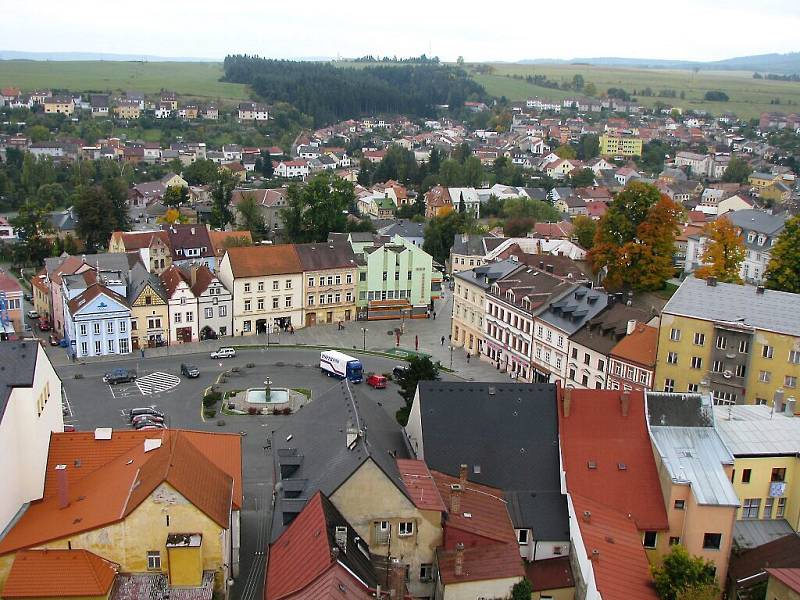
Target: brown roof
257	261
788	577
639	347
781	553
9	284
182	236
59	573
318	257
220	238
38	281
481	563
109	479
172	278
420	484
90	293
136	240
550	574
203	278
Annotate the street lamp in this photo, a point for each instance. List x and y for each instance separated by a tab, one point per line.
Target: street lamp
451	357
365	330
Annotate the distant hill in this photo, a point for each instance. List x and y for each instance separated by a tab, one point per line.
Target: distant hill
785	64
68	56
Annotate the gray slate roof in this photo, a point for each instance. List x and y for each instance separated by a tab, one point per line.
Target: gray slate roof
17	367
318	446
760	222
511	437
728	302
574	309
404	228
751	533
485	275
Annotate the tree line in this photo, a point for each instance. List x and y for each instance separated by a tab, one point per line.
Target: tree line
328	93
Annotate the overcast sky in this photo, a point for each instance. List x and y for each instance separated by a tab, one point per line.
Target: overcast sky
479	31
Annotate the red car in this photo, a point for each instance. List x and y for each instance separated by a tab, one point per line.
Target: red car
44	324
377	381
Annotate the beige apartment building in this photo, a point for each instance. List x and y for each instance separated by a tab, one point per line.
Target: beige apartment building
330	277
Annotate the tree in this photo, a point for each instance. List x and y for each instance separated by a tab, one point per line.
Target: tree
315	210
648	259
584	230
679	573
38	133
724	252
221	195
172	216
581	177
578	82
522	590
420	368
590	89
716	96
519	208
589	146
265	168
250	217
518	227
98	214
175	196
783	270
451	173
32	224
472	172
201	172
737	171
566	151
440	233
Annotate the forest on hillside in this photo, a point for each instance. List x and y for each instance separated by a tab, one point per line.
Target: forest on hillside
328	93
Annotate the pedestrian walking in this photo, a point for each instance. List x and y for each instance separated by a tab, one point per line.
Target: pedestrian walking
468	355
442	340
434	315
142	352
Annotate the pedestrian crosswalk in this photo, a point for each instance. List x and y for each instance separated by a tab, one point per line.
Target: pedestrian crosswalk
157	382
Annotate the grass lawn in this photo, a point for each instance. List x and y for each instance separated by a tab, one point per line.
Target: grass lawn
748	97
192	79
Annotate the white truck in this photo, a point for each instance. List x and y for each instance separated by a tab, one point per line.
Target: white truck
338	364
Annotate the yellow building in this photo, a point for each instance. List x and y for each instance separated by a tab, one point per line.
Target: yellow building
153	246
133	498
618	144
766	474
127	109
742	343
59	105
469	303
149	309
330	277
762	180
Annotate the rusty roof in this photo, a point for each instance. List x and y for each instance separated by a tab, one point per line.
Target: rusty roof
219	239
258	261
420	484
550	574
136	240
172	277
638	347
59	573
109	479
481	563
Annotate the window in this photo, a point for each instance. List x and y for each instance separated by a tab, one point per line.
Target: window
650	539
382	529
406	528
717	366
330	280
275	302
697	362
289	284
310	300
110	346
741	370
669	385
349	278
721	342
84	348
83	329
693	388
123	327
189	317
746	475
781	508
699	339
310	282
260	286
768	504
338	280
260	304
766	351
522	537
276	285
96	328
764	376
110	327
790	381
712	541
288	302
778	474
560	341
385	275
586	358
601	365
675	334
179	317
674	541
209	313
153	560
794	357
744	346
362	276
680	504
247	306
751	508
123	346
246	291
426	572
223	311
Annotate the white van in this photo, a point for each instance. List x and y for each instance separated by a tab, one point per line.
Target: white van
224	353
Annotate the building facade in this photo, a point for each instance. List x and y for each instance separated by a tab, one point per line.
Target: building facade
330	279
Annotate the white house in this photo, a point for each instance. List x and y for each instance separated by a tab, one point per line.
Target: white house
472	204
214	302
182	306
30	409
292	168
97	319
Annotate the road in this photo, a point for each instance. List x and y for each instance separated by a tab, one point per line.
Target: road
90	403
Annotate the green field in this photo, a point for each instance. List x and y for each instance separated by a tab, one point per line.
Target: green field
748	97
192	79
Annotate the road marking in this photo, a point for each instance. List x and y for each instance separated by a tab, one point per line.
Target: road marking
111	389
157	382
66	401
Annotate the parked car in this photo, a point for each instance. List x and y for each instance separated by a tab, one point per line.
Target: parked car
151	418
147	423
147	410
223	353
189	371
27	296
44	324
54	341
32	314
399	371
69	428
377	381
150	427
119	376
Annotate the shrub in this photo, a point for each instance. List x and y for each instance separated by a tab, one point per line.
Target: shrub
252	410
211	398
209	413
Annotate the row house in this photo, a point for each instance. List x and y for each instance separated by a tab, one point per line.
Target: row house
149	309
127	109
63	105
252	111
632	362
191	245
152	246
512	304
200	306
292	169
330	274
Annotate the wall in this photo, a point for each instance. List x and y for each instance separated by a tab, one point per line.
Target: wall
469	307
469	590
758	487
222	325
343	310
559	594
25	437
777	590
185	566
700	519
682	373
141	311
369	496
778	366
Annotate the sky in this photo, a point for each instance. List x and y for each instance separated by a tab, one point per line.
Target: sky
695	30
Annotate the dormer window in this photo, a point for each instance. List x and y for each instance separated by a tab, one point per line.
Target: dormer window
762	240
751	236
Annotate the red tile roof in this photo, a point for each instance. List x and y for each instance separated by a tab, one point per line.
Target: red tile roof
220	238
172	277
59	573
90	293
258	261
420	484
108	479
9	284
550	574
788	577
620	565
136	240
639	347
487	510
481	563
624	475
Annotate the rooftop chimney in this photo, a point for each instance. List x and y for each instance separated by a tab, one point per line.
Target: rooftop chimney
631	327
625	403
788	408
63	486
587	516
193	274
459	564
567	401
455	498
462	474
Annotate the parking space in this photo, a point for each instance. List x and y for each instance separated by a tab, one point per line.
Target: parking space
156	383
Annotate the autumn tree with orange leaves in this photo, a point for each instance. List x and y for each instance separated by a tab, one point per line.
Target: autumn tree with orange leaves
635	240
724	252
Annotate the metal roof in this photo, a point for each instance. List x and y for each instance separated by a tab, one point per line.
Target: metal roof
694	456
732	303
757	430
